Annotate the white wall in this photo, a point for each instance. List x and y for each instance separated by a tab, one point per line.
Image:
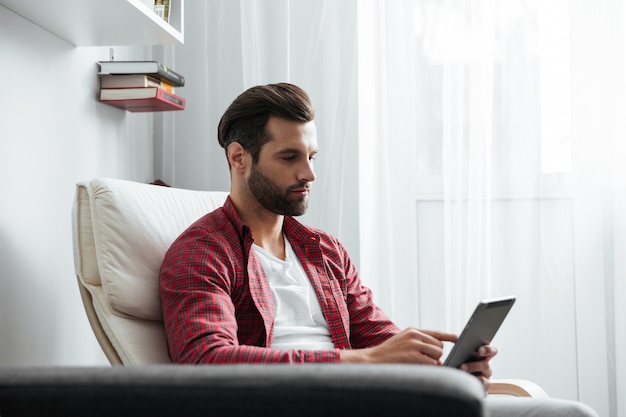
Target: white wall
53	133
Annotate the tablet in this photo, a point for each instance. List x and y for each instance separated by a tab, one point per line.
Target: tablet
479	330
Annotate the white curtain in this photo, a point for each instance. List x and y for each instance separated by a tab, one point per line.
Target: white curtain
492	135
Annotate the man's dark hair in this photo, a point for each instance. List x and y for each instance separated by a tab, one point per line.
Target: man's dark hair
245	120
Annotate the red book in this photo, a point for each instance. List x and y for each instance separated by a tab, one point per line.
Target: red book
142	99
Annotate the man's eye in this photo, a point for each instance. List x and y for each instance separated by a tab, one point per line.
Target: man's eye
289	158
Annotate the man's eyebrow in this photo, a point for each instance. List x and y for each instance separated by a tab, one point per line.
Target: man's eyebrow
294	151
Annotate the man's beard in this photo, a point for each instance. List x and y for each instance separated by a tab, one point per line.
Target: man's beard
273	198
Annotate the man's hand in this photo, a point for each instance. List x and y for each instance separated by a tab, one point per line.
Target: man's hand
481	368
409	346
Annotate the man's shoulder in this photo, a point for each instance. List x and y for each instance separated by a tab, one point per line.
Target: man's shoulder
308	234
215	226
211	221
216	223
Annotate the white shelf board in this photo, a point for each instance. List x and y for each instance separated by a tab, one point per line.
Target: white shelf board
103	22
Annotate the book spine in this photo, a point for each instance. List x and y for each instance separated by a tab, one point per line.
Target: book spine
167	86
155	82
174	99
132	81
170	75
162	9
159	8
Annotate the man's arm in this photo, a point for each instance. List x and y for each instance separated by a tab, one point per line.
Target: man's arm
420	347
409	346
373	336
369	325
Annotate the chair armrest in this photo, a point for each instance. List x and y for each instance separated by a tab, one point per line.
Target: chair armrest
517	388
279	390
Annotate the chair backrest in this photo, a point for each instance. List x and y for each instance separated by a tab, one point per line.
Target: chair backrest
121	231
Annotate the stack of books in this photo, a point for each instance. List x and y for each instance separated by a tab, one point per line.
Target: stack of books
140	86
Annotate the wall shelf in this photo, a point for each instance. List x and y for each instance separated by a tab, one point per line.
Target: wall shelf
104	22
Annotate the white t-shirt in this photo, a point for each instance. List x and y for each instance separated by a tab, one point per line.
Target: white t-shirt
299	323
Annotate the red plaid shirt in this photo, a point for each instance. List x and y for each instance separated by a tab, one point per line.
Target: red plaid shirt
218	306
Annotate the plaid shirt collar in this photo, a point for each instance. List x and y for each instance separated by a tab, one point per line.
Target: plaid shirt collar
295	231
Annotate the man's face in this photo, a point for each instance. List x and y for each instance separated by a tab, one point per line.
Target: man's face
281	179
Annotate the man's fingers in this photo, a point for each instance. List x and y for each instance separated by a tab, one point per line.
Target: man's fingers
442	336
478	368
430	350
487	351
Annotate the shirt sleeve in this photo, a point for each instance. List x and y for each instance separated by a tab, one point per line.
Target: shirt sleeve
369	324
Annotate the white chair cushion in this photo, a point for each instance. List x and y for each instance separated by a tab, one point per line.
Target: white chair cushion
133	226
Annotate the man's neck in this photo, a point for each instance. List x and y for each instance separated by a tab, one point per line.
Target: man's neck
269	236
266	227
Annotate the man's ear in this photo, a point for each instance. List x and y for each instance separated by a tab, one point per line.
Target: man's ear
236	156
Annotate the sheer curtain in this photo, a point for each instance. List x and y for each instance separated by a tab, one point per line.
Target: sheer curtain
492	146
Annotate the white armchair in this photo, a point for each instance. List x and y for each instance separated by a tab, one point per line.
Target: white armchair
122	230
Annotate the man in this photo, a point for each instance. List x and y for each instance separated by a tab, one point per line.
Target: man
249	283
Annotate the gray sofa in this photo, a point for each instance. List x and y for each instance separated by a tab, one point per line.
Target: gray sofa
239	390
